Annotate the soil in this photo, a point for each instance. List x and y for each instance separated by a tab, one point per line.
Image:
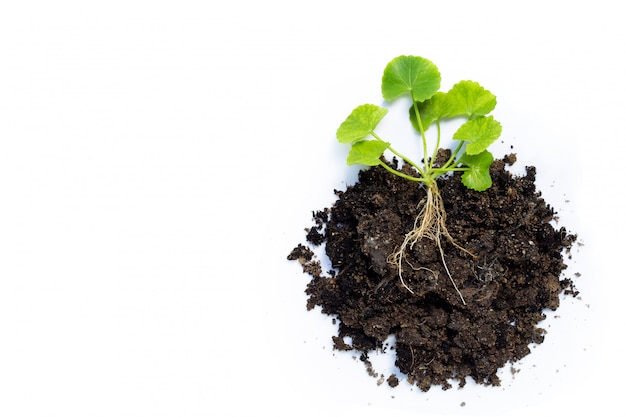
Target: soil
513	277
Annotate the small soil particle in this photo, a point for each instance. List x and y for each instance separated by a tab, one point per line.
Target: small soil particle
393	381
514	276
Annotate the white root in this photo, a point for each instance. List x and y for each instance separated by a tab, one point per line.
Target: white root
430	223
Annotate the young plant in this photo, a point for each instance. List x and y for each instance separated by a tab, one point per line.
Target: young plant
419	78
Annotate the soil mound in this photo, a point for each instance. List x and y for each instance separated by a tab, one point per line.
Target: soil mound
514	276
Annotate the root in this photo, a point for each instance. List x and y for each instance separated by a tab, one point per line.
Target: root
430	223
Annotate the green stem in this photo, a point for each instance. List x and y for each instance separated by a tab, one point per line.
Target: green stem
441	171
401	174
432	159
401	156
453	156
421	129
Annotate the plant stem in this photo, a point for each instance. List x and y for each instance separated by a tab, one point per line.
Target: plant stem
453	156
441	171
401	156
432	158
422	132
401	174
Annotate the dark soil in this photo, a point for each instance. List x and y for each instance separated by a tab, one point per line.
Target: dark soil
514	277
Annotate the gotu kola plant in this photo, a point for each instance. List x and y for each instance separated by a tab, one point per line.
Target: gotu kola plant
420	79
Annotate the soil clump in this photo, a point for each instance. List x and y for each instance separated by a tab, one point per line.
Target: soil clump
513	277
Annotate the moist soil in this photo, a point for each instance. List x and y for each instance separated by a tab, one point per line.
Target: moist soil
514	275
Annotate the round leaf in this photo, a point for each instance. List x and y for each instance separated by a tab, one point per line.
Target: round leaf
479	132
431	110
410	74
477	176
361	122
470	98
367	152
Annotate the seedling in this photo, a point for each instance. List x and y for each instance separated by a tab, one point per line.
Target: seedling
419	78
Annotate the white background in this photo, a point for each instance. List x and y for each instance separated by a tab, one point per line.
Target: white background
159	160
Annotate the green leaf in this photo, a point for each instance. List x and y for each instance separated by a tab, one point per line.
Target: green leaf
361	122
367	152
469	98
435	108
479	132
477	176
410	74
